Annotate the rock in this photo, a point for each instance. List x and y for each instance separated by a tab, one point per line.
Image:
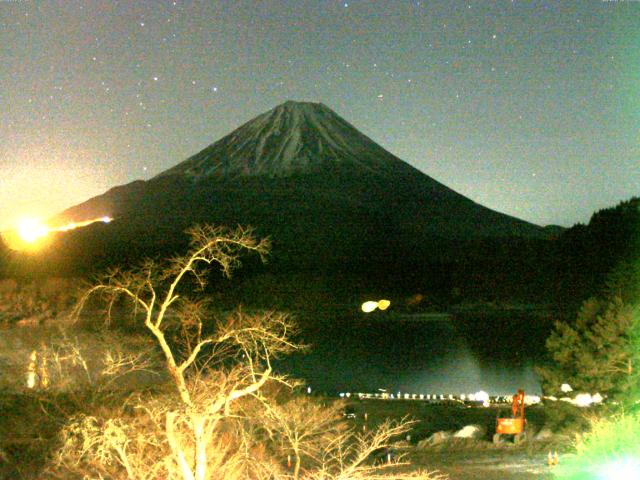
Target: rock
544	435
435	439
475	432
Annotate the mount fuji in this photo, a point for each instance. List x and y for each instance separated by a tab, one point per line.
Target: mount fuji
326	194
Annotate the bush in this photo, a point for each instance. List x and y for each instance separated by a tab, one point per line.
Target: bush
566	418
610	450
598	353
36	301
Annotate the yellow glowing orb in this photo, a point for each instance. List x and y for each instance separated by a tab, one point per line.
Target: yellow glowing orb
383	304
368	307
31	230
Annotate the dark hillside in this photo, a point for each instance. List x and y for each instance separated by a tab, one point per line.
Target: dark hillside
331	199
587	254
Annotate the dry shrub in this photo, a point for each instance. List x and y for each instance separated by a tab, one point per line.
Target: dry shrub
35	302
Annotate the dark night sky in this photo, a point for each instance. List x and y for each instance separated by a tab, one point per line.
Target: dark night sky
530	108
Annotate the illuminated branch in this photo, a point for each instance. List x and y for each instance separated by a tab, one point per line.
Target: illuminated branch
209	245
221	420
194	354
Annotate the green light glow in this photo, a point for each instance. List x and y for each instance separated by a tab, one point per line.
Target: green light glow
619	469
611	450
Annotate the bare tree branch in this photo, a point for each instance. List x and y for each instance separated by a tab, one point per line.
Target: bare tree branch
220	419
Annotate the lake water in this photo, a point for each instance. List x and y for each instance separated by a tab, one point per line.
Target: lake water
412	354
424	354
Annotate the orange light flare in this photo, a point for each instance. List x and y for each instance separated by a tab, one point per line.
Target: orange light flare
74	225
31	230
31	233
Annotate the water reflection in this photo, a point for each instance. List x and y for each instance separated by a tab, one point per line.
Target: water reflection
421	355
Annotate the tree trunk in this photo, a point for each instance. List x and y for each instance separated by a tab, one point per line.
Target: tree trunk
296	467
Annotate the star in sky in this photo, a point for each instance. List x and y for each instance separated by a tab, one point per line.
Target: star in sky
466	92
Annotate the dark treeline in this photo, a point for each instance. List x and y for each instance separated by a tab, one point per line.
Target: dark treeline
564	269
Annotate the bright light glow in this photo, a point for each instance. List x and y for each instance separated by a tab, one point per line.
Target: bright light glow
481	396
532	399
584	400
30	233
624	468
74	225
368	307
566	388
31	372
383	304
31	229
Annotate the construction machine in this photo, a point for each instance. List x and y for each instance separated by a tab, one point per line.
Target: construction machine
512	427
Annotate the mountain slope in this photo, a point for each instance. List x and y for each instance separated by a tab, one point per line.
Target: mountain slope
326	193
292	138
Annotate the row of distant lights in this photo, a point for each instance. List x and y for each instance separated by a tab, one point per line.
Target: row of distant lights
480	397
580	400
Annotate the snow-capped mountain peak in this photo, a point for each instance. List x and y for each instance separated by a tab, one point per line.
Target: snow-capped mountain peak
294	137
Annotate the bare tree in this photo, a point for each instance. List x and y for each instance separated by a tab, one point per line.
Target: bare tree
302	427
209	372
143	287
205	425
352	455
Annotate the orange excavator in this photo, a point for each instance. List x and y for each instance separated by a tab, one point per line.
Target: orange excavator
514	426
